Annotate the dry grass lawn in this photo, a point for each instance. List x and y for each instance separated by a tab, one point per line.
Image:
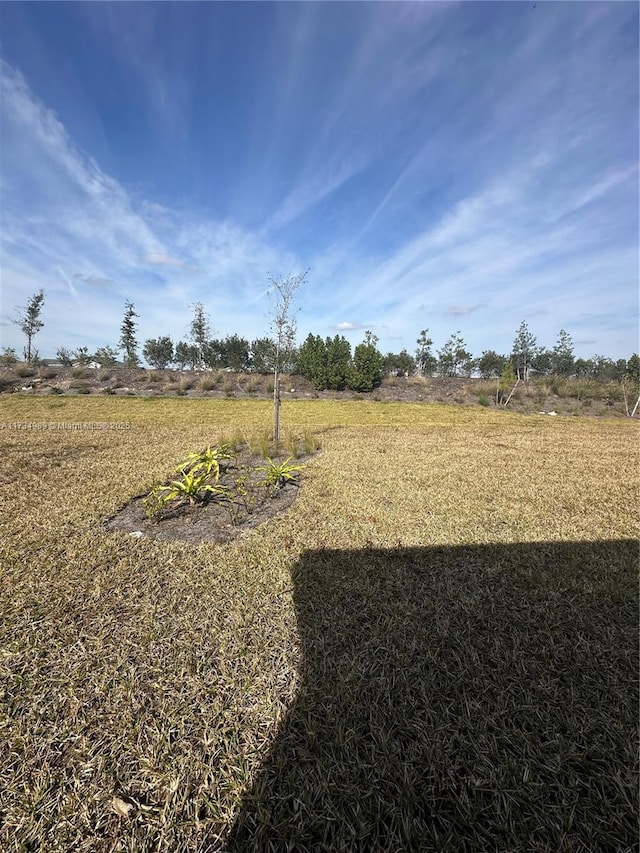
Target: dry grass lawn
434	648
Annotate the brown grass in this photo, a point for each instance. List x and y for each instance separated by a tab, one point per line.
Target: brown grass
434	648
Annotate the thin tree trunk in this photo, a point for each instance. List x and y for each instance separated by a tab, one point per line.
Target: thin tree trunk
276	407
624	394
506	402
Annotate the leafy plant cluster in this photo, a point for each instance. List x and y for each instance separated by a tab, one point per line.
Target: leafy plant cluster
215	475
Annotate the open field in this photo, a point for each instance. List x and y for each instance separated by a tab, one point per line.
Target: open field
433	648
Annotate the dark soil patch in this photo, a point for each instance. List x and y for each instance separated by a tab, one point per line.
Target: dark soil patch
249	502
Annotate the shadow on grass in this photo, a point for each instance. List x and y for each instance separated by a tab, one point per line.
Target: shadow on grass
463	699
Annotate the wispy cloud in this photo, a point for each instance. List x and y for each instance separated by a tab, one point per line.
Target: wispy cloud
346	326
161	259
463	310
92	280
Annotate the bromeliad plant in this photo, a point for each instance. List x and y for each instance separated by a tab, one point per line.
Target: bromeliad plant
207	461
279	474
192	488
198	483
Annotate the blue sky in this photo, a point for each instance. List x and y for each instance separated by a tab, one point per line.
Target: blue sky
457	167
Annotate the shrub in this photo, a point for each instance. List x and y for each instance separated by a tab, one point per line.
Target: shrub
8	357
23	370
483	400
47	373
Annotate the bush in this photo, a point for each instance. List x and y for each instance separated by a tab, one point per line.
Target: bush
23	370
8	357
47	373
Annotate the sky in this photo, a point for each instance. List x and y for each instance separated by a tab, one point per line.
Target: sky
456	167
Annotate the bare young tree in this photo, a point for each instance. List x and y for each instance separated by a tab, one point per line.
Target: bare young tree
282	313
30	323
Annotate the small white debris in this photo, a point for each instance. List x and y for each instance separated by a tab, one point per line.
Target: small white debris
553	414
137	534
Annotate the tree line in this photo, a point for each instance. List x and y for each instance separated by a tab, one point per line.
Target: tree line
329	362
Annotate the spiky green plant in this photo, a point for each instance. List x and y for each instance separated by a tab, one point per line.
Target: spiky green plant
278	474
207	461
192	488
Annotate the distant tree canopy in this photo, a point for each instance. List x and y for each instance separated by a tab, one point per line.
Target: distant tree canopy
106	356
159	352
329	364
633	368
399	364
454	358
491	364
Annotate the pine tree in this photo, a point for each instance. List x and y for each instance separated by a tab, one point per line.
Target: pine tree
158	352
366	373
453	357
525	348
30	323
200	330
128	342
562	359
425	359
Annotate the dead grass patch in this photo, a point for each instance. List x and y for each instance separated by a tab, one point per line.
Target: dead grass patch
434	645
